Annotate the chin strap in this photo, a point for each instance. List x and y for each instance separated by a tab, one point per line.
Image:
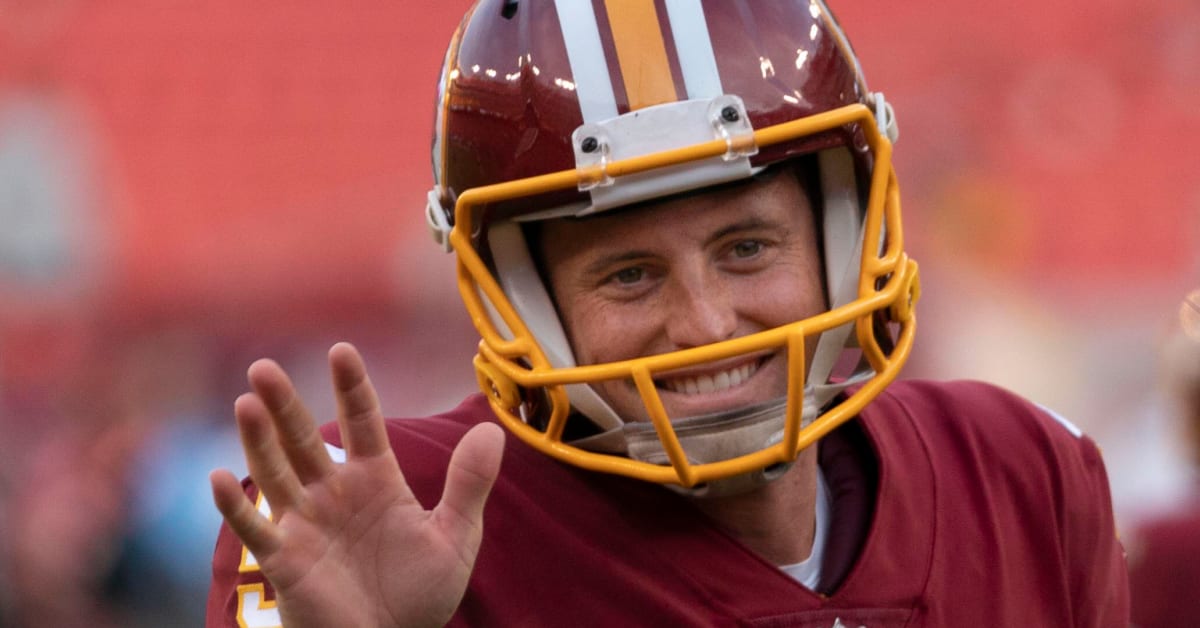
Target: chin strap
716	437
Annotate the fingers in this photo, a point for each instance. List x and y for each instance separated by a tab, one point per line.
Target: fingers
258	534
268	464
360	418
473	468
295	427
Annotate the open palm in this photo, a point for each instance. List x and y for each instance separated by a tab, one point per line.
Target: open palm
347	544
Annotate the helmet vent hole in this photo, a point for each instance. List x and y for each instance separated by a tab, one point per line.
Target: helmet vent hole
509	9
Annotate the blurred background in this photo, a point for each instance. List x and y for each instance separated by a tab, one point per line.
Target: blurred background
187	186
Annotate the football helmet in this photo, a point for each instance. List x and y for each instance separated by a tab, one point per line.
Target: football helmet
552	108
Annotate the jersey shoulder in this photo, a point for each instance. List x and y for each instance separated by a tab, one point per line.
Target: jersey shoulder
1001	483
987	420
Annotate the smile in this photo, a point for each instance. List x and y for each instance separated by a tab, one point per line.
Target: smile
711	382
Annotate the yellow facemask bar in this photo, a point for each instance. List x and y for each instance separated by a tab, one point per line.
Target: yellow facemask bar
888	282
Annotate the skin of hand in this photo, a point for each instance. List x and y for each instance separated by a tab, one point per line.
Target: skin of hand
348	544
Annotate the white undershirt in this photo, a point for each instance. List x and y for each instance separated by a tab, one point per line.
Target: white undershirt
808	571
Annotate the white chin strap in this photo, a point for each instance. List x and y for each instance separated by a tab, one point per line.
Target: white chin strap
713	438
722	436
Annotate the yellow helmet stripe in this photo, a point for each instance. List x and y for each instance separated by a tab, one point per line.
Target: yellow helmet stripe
641	52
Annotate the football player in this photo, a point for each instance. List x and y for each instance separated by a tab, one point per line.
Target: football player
677	229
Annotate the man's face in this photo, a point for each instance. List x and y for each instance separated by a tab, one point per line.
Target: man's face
684	273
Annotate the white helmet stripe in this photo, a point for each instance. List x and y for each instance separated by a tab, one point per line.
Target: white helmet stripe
693	46
589	68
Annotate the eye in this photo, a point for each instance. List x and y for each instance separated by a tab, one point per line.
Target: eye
747	248
630	275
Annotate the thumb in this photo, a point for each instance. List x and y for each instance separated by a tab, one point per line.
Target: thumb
473	468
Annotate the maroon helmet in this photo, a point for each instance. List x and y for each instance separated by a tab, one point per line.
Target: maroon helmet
553	108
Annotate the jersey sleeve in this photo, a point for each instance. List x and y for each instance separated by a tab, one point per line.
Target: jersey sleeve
1093	557
1099	580
1024	496
240	597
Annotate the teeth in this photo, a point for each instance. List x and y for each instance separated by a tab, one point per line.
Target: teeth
703	384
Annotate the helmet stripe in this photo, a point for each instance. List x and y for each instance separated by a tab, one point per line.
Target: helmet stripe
589	69
689	29
445	84
641	51
443	89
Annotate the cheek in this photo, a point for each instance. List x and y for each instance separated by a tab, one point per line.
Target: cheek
600	331
791	291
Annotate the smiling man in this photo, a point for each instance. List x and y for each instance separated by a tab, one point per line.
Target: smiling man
678	233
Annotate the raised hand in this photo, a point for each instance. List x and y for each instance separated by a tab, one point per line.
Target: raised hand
348	544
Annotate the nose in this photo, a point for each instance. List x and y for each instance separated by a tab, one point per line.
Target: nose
701	310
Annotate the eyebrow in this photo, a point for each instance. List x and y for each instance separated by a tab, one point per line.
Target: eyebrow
753	223
601	265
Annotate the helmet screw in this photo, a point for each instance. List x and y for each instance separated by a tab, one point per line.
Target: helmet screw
730	114
589	144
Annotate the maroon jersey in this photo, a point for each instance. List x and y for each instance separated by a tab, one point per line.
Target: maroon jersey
1164	569
953	505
